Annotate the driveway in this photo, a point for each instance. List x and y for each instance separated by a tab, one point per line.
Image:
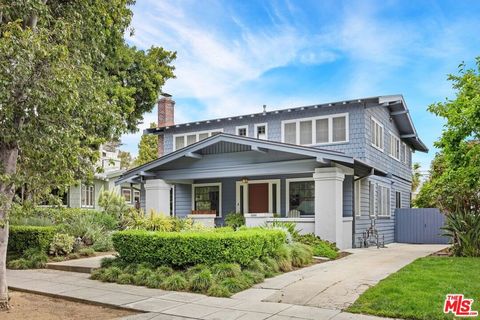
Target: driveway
337	284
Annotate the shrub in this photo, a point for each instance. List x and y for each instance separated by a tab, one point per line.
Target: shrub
283	256
73	255
141	276
62	244
175	282
86	252
271	266
25	237
235	285
111	274
113	204
301	254
182	249
464	230
202	281
97	274
235	220
165	270
125	278
103	243
253	276
107	262
217	290
154	280
194	270
226	270
257	266
321	248
31	259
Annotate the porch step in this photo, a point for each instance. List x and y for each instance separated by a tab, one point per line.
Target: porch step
84	265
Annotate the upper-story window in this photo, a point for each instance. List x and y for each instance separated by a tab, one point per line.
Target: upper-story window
403	153
186	139
242	131
394	147
318	130
377	133
261	131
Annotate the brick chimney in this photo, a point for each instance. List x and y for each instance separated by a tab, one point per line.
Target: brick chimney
165	117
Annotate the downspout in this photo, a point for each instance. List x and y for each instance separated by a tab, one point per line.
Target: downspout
354	216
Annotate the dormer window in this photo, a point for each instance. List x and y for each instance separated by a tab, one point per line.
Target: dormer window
183	140
261	131
242	131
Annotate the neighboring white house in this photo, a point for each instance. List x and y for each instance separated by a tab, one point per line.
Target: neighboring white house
85	195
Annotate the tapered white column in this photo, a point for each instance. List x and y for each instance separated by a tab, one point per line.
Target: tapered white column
329	204
157	196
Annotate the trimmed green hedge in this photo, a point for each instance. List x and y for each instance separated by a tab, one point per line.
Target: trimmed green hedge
25	237
181	249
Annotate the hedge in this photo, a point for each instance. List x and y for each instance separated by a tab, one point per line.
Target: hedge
22	238
182	249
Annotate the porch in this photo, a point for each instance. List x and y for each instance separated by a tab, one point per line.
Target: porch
263	180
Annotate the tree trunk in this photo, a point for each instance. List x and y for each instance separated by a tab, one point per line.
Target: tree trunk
8	166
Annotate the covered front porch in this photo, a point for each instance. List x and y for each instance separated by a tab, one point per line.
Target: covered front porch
263	180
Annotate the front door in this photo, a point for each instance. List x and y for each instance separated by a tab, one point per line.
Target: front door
258	198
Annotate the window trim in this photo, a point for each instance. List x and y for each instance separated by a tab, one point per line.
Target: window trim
81	195
196	133
314	129
213	184
237	128
373	131
131	194
399	198
357	187
389	200
395	137
287	194
256	125
403	152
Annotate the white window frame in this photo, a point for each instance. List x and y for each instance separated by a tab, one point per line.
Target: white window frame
214	184
88	188
260	125
380	200
136	192
358	197
314	129
237	128
403	152
287	194
197	134
394	140
129	191
373	132
270	182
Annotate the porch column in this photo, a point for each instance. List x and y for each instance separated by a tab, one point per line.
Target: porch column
157	196
329	204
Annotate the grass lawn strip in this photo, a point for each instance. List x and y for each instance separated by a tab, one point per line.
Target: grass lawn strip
418	290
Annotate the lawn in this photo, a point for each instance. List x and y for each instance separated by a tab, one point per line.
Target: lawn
418	290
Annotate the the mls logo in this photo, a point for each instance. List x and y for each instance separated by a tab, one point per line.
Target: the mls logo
459	306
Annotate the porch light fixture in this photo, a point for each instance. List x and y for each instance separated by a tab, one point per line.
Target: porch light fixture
244	180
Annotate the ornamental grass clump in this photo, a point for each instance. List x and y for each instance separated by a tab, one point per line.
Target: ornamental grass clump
175	282
236	284
125	278
111	274
141	276
155	280
257	266
283	256
202	281
271	265
301	254
226	270
252	276
217	290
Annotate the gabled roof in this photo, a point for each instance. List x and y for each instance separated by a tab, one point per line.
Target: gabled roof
396	104
195	151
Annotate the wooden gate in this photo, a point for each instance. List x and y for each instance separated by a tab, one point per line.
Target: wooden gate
422	225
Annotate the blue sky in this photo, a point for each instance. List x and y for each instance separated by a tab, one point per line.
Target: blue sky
235	56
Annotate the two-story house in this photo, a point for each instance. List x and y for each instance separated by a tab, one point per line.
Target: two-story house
332	168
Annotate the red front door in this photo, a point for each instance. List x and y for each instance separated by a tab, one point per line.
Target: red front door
258	198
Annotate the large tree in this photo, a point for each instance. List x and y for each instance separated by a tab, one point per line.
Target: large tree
147	148
454	183
68	83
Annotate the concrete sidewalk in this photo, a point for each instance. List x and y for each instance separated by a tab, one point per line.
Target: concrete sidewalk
158	304
337	284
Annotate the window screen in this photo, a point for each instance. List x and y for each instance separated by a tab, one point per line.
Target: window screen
339	129
306	132
291	132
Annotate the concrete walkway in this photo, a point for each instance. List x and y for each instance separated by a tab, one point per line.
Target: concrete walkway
84	265
317	292
158	304
337	284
